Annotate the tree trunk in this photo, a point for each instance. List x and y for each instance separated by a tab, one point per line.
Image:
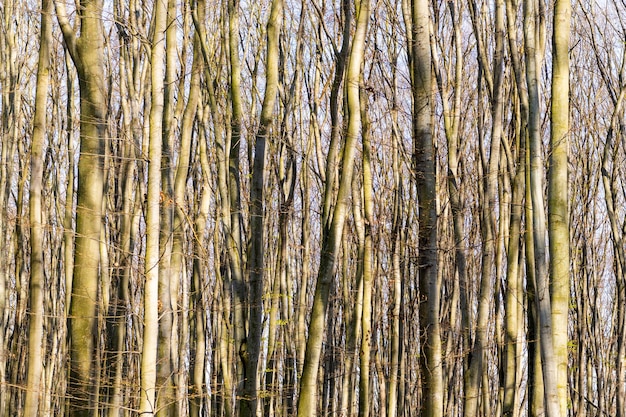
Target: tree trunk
533	15
488	219
165	384
368	261
256	266
396	255
152	310
87	52
37	276
331	238
426	182
558	199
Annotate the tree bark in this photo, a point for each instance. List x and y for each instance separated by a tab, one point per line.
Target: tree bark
368	261
331	238
558	196
87	52
152	310
168	275
533	28
256	264
37	276
431	371
488	223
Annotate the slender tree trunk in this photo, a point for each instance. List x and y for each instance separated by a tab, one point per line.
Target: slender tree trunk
116	357
353	309
558	212
305	238
87	52
166	398
9	121
180	189
513	318
488	223
396	253
234	235
535	374
6	153
152	311
12	263
223	145
513	303
368	255
534	53
287	180
331	238
332	160
425	177
452	120
37	277
198	317
68	219
256	265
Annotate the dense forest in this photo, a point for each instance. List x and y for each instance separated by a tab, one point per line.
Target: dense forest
313	208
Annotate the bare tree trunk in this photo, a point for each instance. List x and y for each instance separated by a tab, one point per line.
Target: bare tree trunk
224	274
234	235
256	265
287	180
452	123
37	277
116	358
535	375
425	176
10	120
533	29
610	190
8	51
332	160
353	307
68	220
178	265
396	253
494	78
331	238
87	52
149	367
168	275
558	196
368	260
514	304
